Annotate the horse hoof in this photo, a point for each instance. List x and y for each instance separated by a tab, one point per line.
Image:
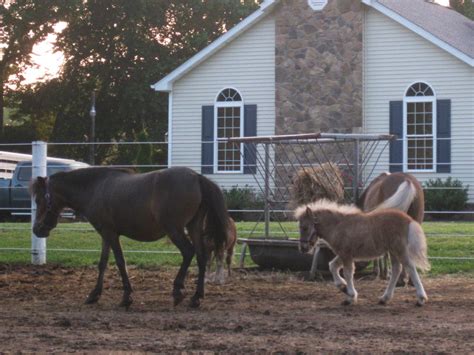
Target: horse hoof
126	302
346	303
178	299
421	302
91	300
195	303
382	302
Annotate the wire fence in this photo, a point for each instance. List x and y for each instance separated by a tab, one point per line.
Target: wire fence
372	158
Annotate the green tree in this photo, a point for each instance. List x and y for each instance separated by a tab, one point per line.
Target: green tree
119	48
465	7
23	23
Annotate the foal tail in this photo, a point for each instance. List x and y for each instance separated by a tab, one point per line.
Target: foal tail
216	212
417	249
401	199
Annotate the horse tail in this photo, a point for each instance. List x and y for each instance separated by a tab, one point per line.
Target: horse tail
417	248
216	213
401	199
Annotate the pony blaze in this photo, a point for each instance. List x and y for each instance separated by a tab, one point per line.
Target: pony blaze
357	236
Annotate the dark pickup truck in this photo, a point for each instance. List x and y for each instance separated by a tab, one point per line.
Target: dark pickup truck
14	195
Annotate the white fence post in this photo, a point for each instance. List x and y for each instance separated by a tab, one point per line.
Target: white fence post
38	168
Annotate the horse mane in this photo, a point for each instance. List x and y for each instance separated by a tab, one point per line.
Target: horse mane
34	187
326	205
87	175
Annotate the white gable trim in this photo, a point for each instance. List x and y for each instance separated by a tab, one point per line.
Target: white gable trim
420	31
166	84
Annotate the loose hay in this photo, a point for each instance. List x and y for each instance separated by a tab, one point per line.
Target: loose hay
317	182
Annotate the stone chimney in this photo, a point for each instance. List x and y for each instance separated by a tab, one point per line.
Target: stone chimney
318	66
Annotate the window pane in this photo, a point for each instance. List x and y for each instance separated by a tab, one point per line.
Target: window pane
228	95
228	126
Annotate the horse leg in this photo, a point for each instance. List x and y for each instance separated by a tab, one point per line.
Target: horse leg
396	270
104	258
349	269
201	255
228	261
187	251
335	266
122	266
420	291
403	280
209	278
220	271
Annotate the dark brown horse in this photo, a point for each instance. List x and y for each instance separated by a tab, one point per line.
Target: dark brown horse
143	207
400	191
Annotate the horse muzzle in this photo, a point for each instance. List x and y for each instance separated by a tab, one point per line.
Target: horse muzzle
40	231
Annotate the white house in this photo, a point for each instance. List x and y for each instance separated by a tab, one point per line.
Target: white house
298	66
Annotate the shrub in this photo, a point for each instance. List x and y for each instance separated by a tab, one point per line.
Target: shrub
238	198
447	195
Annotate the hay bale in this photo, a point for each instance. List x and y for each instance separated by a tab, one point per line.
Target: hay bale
317	182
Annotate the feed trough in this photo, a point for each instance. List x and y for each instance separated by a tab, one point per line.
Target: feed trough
283	254
292	170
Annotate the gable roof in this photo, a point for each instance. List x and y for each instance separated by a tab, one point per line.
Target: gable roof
166	84
438	24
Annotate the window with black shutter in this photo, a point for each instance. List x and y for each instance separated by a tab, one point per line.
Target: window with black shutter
228	118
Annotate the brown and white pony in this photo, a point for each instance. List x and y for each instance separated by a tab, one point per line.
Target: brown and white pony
219	276
354	235
400	191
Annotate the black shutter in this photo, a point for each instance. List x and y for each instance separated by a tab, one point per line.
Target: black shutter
207	152
396	127
443	136
250	130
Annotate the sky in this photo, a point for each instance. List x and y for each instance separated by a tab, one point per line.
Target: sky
47	63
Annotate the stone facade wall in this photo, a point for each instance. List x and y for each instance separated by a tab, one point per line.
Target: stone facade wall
318	67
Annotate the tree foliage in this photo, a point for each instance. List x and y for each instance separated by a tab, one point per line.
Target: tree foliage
465	7
119	48
23	23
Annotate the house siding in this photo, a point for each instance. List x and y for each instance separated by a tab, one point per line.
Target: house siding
246	64
394	58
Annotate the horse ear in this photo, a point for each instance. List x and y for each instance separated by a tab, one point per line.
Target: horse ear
309	212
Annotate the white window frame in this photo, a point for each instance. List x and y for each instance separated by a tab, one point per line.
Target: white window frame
415	99
224	104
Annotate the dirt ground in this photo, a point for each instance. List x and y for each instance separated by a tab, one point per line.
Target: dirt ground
42	310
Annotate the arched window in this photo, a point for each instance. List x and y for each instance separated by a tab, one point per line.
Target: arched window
419	128
228	123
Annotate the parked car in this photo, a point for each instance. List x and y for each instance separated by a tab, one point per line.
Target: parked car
14	195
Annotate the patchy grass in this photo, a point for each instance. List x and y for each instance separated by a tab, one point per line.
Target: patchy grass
76	244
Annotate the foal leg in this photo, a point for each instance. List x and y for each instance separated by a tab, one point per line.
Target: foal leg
349	269
396	270
220	271
187	251
122	266
104	258
335	266
228	261
420	291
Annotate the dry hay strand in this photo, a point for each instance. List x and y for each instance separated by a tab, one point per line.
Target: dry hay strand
314	183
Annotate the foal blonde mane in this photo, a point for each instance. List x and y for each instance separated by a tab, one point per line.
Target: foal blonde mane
326	205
